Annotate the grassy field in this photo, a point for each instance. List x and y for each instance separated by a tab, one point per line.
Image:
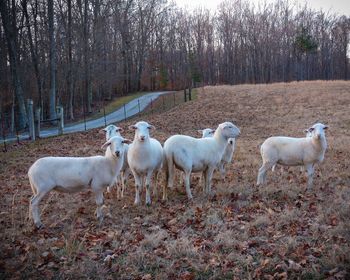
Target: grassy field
277	231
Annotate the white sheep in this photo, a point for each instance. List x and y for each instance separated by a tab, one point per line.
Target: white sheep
191	154
145	157
291	151
74	174
207	132
308	134
110	131
227	156
228	153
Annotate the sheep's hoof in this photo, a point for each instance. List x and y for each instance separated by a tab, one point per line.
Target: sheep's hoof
39	225
136	203
100	221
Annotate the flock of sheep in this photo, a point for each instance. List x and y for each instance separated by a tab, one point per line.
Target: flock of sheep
145	156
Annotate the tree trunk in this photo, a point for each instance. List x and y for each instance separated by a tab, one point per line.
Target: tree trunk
52	95
70	73
11	33
32	52
87	87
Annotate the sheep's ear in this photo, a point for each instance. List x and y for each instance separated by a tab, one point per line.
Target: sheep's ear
306	130
326	127
105	145
126	141
132	127
151	127
200	131
103	130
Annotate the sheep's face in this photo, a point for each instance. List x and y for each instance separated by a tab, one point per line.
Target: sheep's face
229	130
317	130
112	130
208	132
116	145
142	131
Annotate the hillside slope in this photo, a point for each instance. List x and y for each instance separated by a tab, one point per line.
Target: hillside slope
272	232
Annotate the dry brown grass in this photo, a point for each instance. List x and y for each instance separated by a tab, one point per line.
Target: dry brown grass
243	232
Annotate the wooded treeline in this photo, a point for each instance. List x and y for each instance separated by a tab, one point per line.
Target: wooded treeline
80	53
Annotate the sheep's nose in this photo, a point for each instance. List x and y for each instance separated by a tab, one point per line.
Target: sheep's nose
117	153
142	138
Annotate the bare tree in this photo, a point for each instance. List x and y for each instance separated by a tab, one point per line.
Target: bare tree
8	16
52	95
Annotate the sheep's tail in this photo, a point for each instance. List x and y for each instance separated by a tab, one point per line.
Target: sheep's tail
169	168
32	185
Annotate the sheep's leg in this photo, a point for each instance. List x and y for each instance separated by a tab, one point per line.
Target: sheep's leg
155	188
138	186
125	177
99	202
121	185
109	188
310	174
165	194
119	182
208	176
262	172
188	183
222	170
148	187
34	194
34	207
182	178
202	180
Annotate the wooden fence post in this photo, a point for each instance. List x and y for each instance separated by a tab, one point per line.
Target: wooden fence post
60	115
38	119
31	119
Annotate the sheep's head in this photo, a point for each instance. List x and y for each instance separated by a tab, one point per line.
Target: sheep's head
207	132
229	130
116	145
111	130
142	130
317	130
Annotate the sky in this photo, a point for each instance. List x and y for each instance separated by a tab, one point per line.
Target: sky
341	7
